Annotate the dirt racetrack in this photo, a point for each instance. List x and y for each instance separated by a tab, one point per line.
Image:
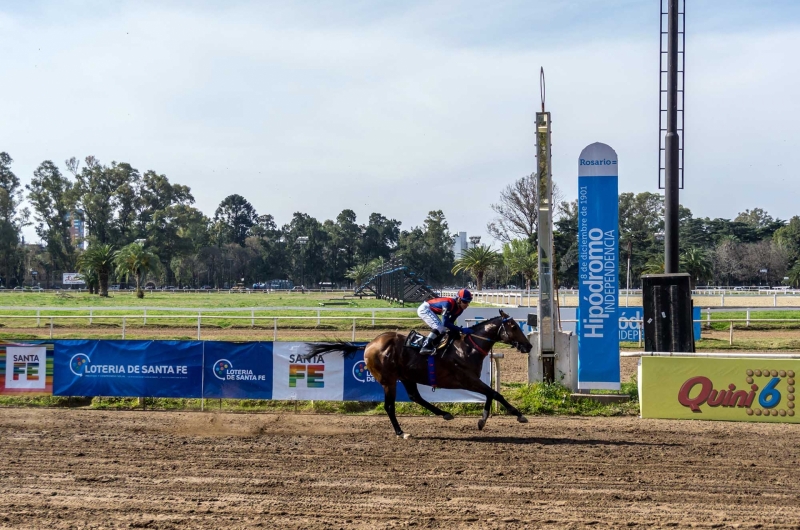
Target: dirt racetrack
167	470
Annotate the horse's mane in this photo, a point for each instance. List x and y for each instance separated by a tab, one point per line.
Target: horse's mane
484	322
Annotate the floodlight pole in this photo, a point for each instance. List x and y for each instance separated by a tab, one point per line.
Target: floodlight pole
671	145
546	309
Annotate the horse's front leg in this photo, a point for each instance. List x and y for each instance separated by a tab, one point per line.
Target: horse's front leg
476	385
413	393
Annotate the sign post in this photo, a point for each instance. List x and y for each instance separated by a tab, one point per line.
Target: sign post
598	274
72	278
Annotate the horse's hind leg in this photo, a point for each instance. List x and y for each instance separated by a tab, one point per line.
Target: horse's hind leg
413	393
389	397
487	408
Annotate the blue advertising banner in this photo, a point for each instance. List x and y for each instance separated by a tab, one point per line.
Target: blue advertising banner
128	368
630	323
238	370
598	265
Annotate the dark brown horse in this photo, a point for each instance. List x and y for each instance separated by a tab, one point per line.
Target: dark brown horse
390	361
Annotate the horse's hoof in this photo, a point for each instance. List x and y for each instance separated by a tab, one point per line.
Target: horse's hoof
481	424
406	436
447	416
522	419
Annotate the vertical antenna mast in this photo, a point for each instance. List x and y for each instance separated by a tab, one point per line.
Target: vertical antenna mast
545	193
672	150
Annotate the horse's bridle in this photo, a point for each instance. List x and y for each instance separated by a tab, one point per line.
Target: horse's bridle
513	343
503	329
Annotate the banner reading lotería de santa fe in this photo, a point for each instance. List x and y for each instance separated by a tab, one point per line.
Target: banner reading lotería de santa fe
598	245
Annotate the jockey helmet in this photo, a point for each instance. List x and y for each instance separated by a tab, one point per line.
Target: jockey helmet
465	295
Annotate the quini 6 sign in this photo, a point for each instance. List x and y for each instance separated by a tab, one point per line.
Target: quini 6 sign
737	389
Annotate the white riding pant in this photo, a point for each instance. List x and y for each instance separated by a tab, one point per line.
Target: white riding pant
430	318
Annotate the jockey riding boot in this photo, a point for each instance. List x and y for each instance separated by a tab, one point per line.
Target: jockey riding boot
430	343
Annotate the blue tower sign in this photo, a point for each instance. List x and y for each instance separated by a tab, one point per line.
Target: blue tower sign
598	274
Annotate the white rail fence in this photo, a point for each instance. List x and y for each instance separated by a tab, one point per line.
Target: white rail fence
701	298
126	321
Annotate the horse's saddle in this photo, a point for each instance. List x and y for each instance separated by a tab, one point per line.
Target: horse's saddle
414	341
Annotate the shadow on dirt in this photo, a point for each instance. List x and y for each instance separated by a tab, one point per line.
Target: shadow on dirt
524	440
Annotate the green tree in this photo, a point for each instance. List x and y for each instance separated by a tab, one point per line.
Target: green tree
53	200
565	243
135	261
98	260
97	188
521	258
428	249
641	217
477	260
379	237
697	263
237	217
12	220
655	265
788	238
794	275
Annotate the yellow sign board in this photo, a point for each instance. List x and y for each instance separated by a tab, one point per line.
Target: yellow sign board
706	388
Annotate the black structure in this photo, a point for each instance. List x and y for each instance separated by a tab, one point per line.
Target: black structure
667	300
672	149
397	283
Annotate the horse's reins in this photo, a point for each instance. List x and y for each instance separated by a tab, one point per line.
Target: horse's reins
502	328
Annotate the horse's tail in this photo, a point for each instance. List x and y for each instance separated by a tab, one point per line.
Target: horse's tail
348	349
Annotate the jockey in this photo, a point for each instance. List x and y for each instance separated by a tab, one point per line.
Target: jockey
450	309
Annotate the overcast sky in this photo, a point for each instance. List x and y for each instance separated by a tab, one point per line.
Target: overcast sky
399	107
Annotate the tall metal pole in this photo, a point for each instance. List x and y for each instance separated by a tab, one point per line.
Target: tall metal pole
672	144
547	313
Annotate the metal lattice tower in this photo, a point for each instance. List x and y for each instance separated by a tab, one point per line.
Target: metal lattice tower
663	103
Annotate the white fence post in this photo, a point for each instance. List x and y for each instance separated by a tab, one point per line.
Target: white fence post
354	329
199	317
252	318
373	318
144	321
317	317
708	317
775	300
274	330
748	318
51	327
730	340
38	320
722	299
123	328
91	314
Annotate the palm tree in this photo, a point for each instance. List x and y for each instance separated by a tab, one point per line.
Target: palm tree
134	260
478	260
794	275
98	260
654	265
696	263
360	273
521	257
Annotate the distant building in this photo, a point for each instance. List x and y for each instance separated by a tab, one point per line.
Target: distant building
77	228
460	244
